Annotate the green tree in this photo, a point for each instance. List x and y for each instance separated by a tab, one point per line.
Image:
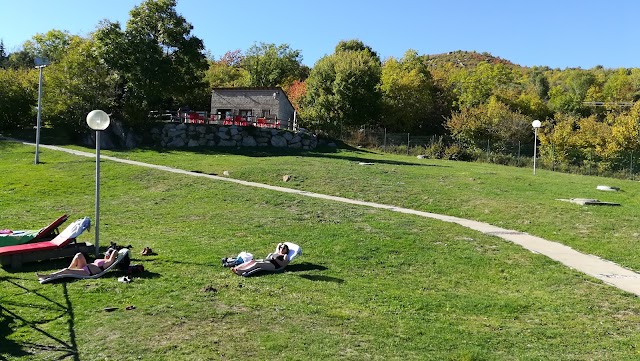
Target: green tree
158	62
578	83
270	65
20	60
51	45
619	87
356	45
77	83
540	83
3	54
18	92
342	91
571	91
475	86
408	95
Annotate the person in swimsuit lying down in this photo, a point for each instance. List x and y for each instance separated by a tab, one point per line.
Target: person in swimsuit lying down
271	263
79	265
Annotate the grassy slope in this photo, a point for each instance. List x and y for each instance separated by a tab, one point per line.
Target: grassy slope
504	196
372	284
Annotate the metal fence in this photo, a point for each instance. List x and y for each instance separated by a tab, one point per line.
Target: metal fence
516	153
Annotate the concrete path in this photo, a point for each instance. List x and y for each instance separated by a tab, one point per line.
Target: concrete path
596	267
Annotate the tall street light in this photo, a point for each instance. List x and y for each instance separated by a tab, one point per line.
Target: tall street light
40	64
535	124
98	121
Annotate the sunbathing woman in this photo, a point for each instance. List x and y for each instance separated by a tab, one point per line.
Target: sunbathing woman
79	265
271	263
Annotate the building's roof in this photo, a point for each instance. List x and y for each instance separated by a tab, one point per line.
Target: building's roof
248	88
245	88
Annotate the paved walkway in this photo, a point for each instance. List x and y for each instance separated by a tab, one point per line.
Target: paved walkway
596	267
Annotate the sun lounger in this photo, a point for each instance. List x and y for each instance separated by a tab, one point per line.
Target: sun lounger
294	250
63	245
121	255
49	232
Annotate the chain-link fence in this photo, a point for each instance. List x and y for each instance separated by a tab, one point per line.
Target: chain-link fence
520	154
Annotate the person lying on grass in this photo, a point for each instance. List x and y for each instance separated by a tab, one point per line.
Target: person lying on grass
79	265
271	263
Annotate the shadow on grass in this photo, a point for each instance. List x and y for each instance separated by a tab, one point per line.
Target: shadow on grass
9	318
322	278
320	152
303	267
330	153
114	274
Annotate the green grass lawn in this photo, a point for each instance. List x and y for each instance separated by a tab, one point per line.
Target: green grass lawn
371	284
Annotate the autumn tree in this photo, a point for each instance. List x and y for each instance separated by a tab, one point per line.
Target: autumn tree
557	139
493	121
625	132
227	71
296	93
618	87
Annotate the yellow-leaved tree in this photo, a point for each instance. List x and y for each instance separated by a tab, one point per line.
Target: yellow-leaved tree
625	136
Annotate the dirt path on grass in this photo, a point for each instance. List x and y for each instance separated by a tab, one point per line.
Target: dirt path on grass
606	271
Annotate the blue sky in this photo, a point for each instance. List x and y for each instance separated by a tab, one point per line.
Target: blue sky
559	34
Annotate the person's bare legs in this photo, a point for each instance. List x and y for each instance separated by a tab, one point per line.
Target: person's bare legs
76	266
78	261
250	266
241	268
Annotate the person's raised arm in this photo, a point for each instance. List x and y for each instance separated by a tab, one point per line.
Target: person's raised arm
112	256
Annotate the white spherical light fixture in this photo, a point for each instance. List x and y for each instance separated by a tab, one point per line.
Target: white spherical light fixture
98	120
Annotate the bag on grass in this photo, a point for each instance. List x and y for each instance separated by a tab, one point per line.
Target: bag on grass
238	260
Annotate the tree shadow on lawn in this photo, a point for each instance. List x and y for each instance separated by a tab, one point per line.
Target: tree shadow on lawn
9	318
113	274
321	152
325	152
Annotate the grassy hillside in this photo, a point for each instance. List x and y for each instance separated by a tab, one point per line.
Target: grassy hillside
371	284
466	59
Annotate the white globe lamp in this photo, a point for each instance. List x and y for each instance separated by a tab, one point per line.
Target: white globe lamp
98	120
535	124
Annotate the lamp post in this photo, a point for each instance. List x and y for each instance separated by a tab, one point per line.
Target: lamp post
98	120
535	124
40	64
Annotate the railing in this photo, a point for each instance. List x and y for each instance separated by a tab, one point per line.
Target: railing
243	121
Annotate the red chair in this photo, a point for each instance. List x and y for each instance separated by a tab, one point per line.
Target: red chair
60	246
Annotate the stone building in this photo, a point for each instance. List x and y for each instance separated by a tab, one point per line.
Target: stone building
262	107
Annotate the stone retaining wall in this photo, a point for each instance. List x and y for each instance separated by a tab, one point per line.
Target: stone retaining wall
180	135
